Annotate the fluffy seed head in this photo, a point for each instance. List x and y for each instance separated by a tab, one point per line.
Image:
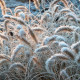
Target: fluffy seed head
22	33
42	48
16	50
68	52
17	65
63	29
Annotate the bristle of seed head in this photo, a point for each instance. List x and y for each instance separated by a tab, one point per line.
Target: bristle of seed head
47	39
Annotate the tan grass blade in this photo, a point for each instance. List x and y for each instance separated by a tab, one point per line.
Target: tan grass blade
35	59
65	3
3	7
6	22
36	3
65	10
53	3
3	36
21	8
24	40
32	34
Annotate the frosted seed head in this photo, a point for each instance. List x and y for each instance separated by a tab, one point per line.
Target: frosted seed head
6	16
22	15
17	65
16	50
75	45
17	11
63	44
64	74
27	53
48	66
18	47
45	17
68	52
60	38
60	56
21	33
19	26
46	40
42	48
72	15
65	10
63	29
6	48
53	3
